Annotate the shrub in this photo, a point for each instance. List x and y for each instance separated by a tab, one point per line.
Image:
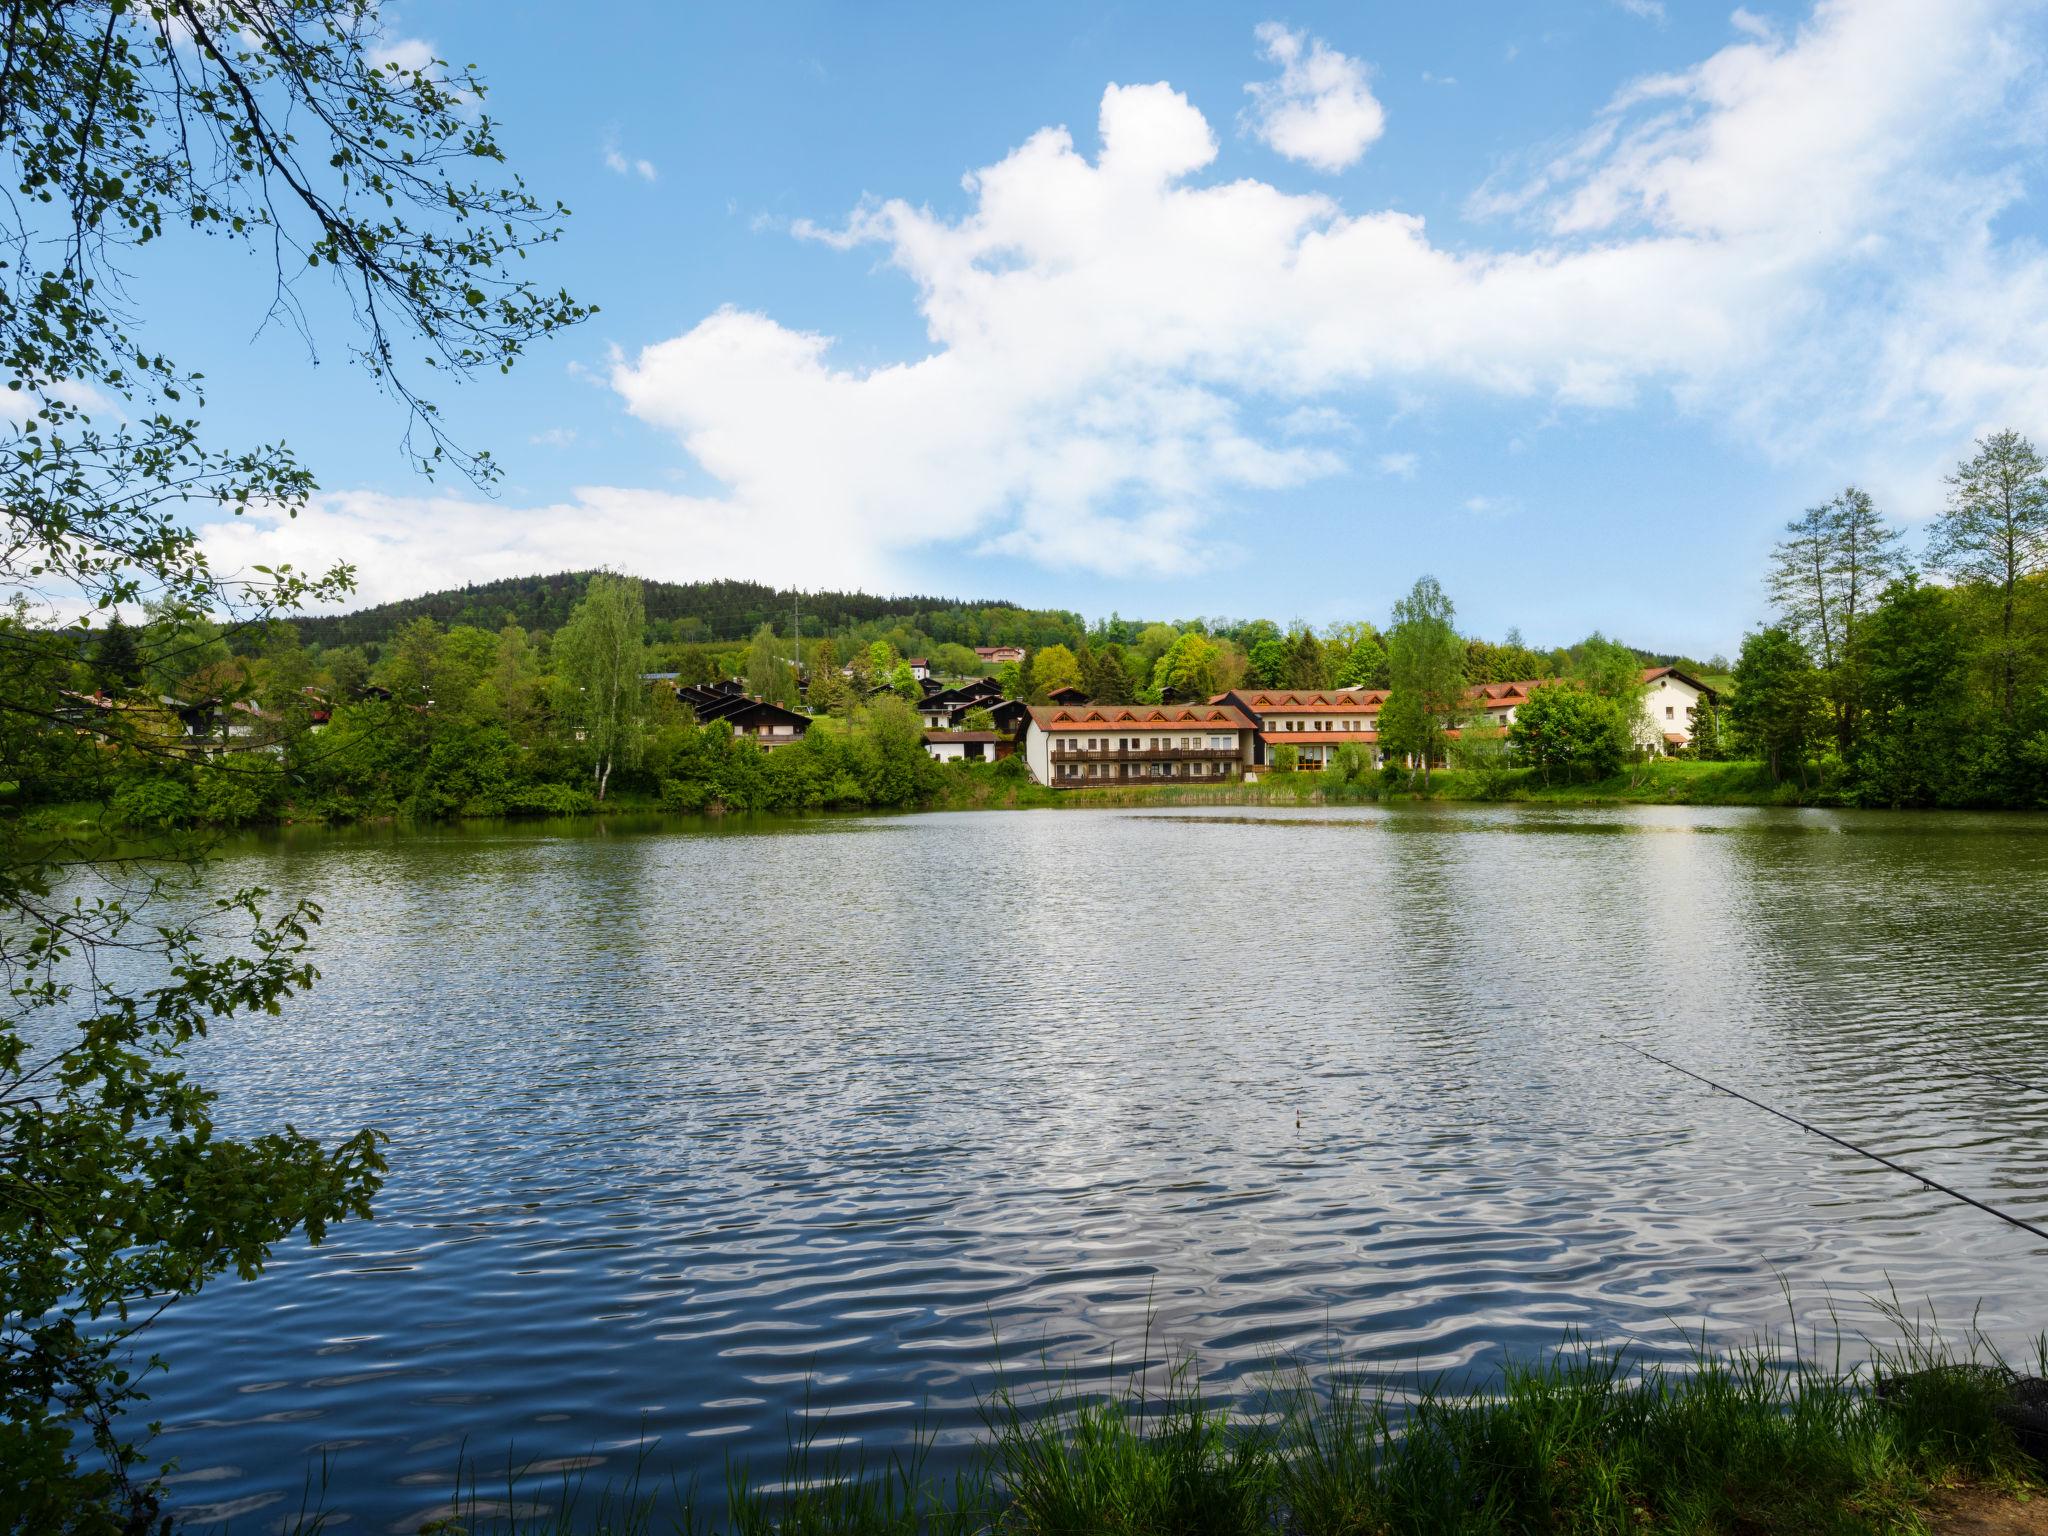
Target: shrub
152	804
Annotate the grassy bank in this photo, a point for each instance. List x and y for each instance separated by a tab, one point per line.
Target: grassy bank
1746	1444
1661	781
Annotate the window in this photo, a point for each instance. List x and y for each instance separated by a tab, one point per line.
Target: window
1669	712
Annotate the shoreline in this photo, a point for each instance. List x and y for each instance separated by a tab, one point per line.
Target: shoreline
1764	1440
1663	781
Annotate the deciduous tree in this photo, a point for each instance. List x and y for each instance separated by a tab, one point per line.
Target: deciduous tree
1777	700
279	123
602	653
1995	531
1426	666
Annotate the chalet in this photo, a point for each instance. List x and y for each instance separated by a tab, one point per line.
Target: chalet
1067	694
1075	746
920	666
939	713
967	746
1669	698
982	690
999	655
769	724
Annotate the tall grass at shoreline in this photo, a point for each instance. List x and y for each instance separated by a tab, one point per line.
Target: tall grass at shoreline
1746	1442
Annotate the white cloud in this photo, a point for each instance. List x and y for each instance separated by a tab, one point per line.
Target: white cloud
1648	10
619	163
1492	506
411	54
1400	465
1795	240
402	546
1321	111
554	437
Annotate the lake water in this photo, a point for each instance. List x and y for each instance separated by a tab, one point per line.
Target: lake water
702	1132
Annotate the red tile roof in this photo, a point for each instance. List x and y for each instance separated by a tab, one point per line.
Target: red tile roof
1263	699
1095	717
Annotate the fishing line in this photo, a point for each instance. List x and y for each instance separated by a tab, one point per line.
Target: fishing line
1953	1194
1996	1077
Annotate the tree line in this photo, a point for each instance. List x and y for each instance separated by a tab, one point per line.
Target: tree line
1880	683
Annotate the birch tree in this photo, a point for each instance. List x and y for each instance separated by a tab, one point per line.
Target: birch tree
603	653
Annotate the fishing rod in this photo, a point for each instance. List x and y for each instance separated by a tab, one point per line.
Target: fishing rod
1953	1194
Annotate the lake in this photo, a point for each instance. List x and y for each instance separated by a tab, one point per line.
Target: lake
699	1132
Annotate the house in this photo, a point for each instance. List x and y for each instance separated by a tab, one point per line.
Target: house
1075	746
769	724
1669	698
967	746
1067	694
999	655
920	666
1314	723
938	713
1010	715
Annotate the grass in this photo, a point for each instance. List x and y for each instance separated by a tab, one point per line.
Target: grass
1753	1442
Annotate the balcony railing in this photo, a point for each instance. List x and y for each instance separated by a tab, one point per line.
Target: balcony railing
1148	755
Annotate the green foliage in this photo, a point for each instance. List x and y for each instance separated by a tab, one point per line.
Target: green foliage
1994	533
1776	709
1426	667
1307	668
1286	757
1566	730
603	656
1367	665
1105	676
1760	1441
1267	663
1052	667
1187	668
276	123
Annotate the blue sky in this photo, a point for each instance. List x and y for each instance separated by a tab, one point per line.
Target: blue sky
1211	309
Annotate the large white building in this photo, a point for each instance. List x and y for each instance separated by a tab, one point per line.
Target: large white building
1079	746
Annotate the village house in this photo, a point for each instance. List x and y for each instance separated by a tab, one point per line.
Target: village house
768	724
1073	746
968	746
920	667
999	655
1669	699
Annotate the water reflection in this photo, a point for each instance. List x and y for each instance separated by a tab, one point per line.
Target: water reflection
699	1133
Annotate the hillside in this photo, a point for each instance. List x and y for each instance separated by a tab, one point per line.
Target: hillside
698	610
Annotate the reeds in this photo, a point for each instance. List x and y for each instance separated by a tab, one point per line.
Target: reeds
1752	1441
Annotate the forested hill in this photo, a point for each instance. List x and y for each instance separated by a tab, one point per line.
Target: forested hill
697	610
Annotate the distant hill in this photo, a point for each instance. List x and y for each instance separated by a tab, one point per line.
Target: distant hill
707	610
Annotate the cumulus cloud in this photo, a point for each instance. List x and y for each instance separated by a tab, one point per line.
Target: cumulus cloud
1321	111
1796	239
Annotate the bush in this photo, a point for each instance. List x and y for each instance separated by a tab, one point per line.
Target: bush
1285	758
152	804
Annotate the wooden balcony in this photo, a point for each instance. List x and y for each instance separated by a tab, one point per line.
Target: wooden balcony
1151	755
